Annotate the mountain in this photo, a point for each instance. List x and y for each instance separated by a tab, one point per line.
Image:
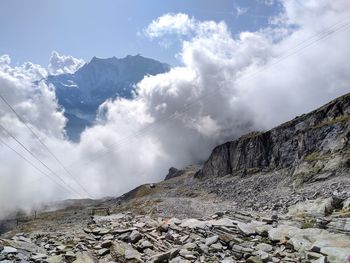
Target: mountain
82	92
276	196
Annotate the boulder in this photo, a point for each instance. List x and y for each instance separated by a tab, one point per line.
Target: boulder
106	244
132	254
264	247
222	222
194	223
280	233
211	240
165	256
123	250
145	244
102	252
314	208
173	172
9	250
246	229
134	236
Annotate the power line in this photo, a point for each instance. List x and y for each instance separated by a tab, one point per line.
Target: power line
298	48
33	165
36	158
44	145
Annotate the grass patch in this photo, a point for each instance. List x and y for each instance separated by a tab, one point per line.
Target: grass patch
339	119
309	223
317	156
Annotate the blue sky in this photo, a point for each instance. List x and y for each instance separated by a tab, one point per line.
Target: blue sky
30	30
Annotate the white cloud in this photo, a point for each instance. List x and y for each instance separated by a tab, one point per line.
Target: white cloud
36	103
216	94
60	64
179	23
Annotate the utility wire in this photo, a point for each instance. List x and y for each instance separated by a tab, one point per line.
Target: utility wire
33	165
44	145
36	158
186	107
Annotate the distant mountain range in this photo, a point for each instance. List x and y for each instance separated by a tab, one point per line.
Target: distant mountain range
81	93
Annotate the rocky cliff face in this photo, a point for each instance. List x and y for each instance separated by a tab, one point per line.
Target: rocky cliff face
312	144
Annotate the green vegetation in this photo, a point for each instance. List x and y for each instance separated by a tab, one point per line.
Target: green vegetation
317	156
308	223
339	119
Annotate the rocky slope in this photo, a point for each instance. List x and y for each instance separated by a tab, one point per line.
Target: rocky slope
309	146
225	236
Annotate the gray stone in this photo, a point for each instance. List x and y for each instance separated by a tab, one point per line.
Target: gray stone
61	248
165	256
193	223
103	231
300	243
145	244
203	248
106	244
131	254
281	232
246	229
96	230
264	247
9	250
179	260
38	257
70	256
108	237
222	222
211	240
134	236
102	252
215	247
314	208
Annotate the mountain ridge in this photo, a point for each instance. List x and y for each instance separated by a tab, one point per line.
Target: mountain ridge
81	93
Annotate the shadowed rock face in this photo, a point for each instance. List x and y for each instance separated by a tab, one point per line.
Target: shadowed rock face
312	143
174	172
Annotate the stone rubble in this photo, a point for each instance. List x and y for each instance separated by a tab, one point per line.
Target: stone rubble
224	237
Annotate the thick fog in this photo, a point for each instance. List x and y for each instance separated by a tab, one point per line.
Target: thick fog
227	85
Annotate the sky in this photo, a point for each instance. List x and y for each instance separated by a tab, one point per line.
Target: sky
230	78
31	30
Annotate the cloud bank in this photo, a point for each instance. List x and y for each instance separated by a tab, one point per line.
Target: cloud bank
227	85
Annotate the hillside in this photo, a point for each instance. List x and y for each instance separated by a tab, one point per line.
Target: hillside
275	196
313	144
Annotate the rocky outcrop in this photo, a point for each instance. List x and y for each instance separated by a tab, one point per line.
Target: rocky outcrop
313	143
174	172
